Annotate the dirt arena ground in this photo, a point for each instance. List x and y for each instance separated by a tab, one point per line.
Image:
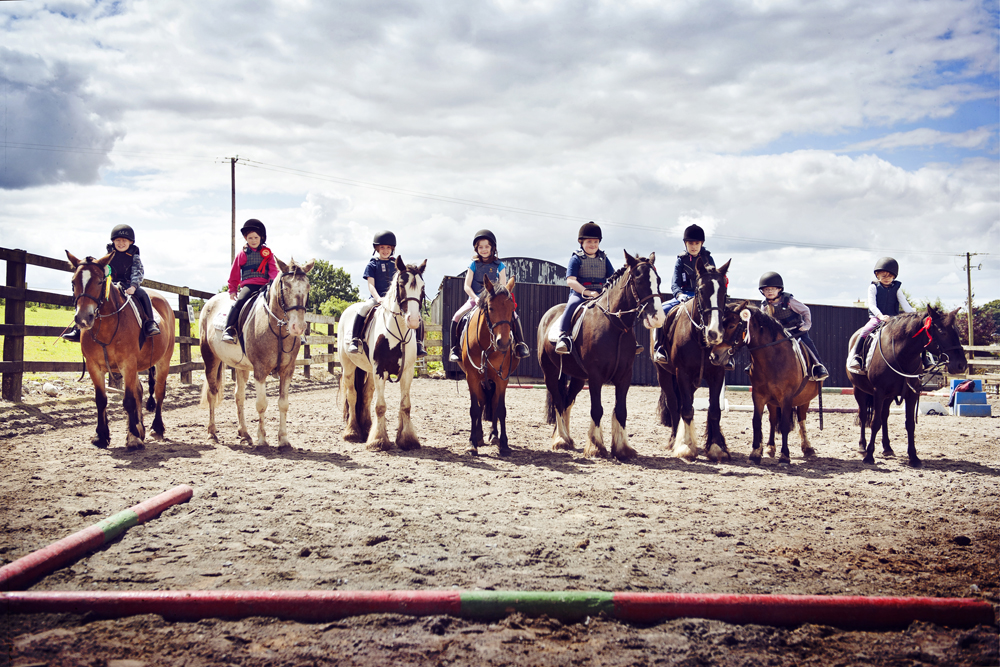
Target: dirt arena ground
328	514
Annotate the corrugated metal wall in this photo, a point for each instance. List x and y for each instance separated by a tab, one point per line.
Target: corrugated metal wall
832	327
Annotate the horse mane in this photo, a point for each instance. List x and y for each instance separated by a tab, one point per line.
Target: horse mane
766	322
903	323
498	290
617	275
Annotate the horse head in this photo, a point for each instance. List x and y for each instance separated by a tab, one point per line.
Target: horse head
647	289
293	294
734	326
497	302
944	338
710	299
89	287
409	290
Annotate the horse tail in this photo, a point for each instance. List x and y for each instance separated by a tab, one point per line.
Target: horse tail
866	409
665	419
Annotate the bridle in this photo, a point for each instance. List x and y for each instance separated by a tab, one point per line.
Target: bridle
702	312
403	337
641	303
100	300
285	308
494	338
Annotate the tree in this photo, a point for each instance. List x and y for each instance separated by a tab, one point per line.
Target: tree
983	327
992	311
327	282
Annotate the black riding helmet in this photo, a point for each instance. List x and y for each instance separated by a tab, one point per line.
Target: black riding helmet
771	279
384	237
887	264
484	234
123	232
694	233
590	230
254	225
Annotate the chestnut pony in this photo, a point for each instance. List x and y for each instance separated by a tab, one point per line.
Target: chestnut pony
109	341
488	361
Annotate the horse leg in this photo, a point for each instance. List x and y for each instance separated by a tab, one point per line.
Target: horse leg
785	422
807	449
151	400
211	388
911	427
620	448
476	419
103	436
886	448
557	390
284	384
132	402
667	405
378	437
595	436
772	418
865	403
876	424
715	441
406	436
157	391
500	414
241	397
261	386
687	448
757	447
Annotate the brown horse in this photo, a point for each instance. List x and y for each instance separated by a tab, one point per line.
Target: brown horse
604	352
271	331
778	380
895	370
113	346
690	332
488	361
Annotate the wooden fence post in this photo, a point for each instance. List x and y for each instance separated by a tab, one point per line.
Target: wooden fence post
331	330
305	352
184	331
13	346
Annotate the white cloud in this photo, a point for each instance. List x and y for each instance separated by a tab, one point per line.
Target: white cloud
925	137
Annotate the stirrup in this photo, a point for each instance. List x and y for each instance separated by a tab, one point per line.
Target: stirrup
454	357
229	337
73	335
819	372
521	351
564	345
421	352
354	346
151	329
659	356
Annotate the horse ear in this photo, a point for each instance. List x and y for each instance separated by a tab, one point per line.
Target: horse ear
510	285
949	319
488	284
307	267
742	305
103	261
73	261
400	264
629	259
423	265
652	258
724	267
282	265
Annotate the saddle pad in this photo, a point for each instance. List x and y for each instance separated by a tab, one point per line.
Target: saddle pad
219	321
800	356
138	316
554	330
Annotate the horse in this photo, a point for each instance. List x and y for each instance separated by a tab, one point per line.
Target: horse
113	346
603	352
689	333
271	331
895	370
778	380
389	347
488	361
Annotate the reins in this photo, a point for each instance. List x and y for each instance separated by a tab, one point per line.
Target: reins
285	309
399	335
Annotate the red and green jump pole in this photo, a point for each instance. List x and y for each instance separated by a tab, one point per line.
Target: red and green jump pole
870	613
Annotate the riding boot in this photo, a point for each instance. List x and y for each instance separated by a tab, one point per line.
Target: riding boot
659	353
857	361
521	350
456	343
150	328
229	336
565	344
355	344
73	335
927	359
819	372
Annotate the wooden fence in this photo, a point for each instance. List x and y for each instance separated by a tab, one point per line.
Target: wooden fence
14	330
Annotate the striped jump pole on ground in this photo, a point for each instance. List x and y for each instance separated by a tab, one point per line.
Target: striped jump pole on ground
25	571
850	612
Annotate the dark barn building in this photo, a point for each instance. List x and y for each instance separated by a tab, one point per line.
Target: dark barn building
542	284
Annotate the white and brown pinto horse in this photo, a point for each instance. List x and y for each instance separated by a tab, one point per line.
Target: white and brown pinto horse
271	332
110	343
389	349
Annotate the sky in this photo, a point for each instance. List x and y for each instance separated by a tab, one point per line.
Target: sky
809	138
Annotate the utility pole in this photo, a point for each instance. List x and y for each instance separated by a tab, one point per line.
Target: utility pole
968	274
232	238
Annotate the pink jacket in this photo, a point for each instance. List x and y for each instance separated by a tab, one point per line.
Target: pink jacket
234	274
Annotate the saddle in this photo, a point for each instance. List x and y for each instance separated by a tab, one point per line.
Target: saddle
219	322
369	317
554	331
138	313
867	348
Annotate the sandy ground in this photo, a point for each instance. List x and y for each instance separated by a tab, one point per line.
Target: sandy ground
328	514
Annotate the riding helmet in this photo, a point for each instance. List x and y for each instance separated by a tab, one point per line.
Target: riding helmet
771	279
590	230
484	234
694	233
123	232
384	237
254	225
887	264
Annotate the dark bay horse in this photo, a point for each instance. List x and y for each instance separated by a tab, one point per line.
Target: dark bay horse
113	345
604	352
272	333
488	361
895	370
778	380
389	348
689	333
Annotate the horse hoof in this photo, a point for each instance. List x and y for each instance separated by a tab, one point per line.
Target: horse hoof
157	435
784	461
379	446
809	453
626	454
504	450
263	447
100	443
870	460
888	453
285	446
715	453
916	463
471	451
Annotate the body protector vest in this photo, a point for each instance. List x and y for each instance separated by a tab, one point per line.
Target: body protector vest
121	266
385	269
886	298
689	275
782	311
491	269
593	270
255	262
